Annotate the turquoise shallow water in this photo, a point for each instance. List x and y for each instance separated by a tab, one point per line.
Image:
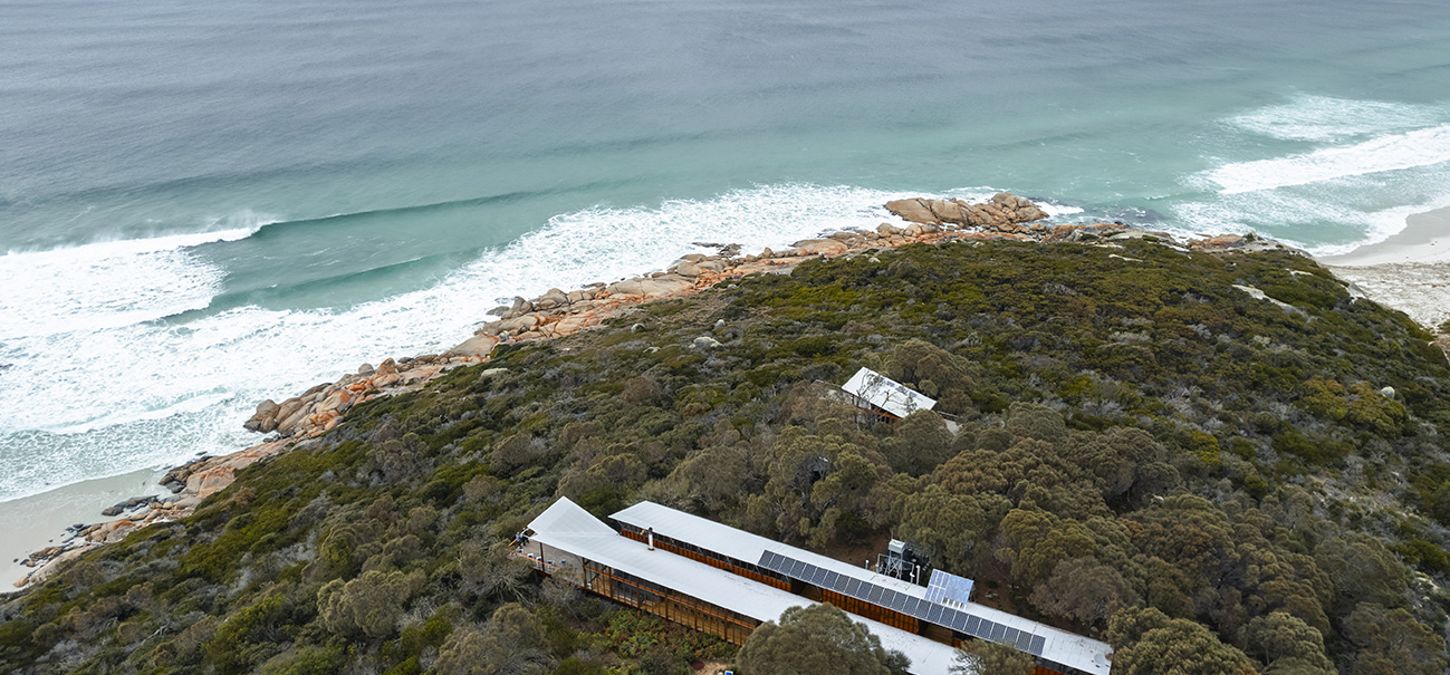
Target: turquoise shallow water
208	205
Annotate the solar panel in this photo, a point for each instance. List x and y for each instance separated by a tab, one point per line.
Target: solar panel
947	615
1036	644
945	587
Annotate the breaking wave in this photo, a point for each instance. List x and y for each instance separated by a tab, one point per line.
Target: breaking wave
1349	174
1393	152
111	283
1325	119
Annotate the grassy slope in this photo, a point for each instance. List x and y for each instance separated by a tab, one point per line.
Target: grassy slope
1269	417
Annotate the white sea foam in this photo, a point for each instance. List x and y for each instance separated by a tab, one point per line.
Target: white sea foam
111	398
1392	152
1378	163
109	284
1324	119
1054	210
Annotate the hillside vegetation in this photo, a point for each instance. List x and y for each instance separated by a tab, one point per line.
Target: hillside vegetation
1148	452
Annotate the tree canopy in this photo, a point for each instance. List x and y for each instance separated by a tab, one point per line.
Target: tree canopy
817	639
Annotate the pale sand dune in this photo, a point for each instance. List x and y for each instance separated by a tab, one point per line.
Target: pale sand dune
1409	271
31	523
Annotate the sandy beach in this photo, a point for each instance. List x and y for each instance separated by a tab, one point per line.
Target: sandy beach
1425	239
35	522
1410	271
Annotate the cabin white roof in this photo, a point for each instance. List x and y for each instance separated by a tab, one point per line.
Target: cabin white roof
1063	647
567	527
886	393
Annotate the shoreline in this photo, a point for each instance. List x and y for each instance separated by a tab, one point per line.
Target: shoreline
1409	271
296	421
1425	239
36	521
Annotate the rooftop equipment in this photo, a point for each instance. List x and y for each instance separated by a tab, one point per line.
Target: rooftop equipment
903	561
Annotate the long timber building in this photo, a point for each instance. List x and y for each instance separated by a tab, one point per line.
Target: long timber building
725	581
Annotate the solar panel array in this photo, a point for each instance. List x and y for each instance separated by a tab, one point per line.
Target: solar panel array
945	587
910	605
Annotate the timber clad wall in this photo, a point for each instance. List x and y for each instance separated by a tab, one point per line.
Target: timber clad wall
662	602
889	617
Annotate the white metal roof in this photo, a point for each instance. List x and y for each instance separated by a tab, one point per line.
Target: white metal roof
742	545
886	393
1063	647
566	526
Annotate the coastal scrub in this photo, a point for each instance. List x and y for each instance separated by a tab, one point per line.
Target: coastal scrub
1143	452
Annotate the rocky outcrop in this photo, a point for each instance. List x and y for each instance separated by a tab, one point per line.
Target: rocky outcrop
1003	212
478	346
654	287
265	419
127	505
821	247
318	410
1240	243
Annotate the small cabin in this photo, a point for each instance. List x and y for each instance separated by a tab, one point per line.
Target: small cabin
884	397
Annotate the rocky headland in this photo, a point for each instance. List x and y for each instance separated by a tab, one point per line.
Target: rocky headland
300	419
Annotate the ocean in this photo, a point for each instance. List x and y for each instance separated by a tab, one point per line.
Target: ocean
204	205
